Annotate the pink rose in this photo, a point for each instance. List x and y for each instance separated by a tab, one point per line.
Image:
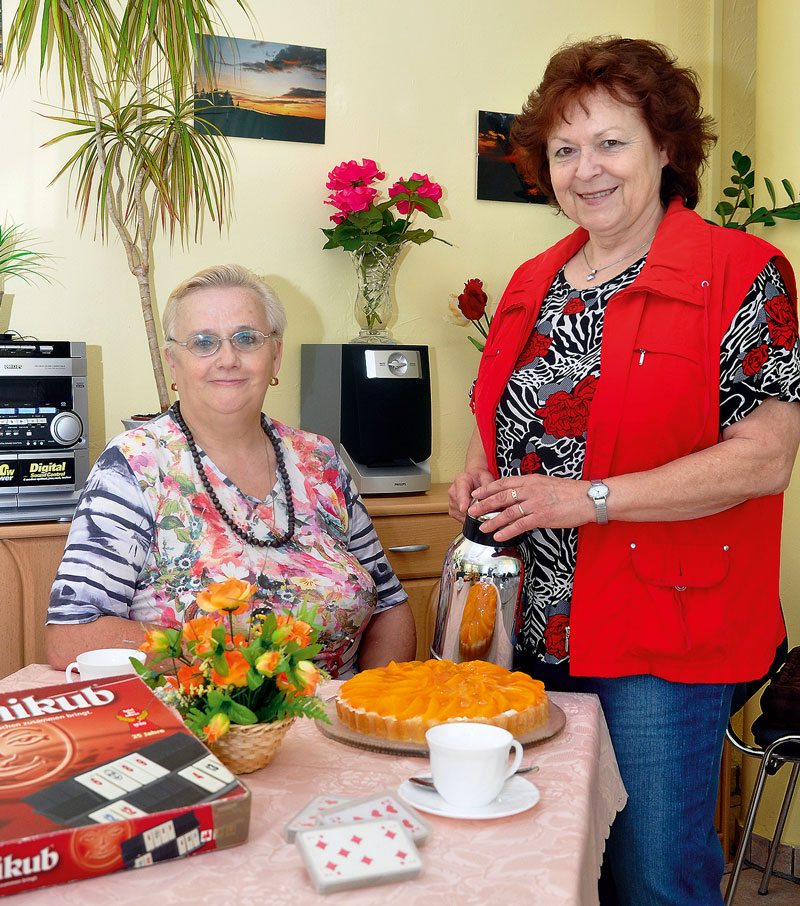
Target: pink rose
353	198
428	189
349	173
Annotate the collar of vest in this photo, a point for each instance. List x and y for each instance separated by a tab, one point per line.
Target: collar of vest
678	261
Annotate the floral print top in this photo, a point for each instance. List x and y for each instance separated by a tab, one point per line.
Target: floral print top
146	538
544	411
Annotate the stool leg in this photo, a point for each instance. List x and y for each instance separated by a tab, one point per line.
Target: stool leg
776	839
747	831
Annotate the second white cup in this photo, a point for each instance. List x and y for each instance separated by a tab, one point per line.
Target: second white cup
469	762
102	662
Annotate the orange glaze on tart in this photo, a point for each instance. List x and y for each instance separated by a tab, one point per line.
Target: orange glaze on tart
477	622
402	701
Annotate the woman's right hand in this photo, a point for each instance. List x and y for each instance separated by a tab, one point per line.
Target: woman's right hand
476	474
460	492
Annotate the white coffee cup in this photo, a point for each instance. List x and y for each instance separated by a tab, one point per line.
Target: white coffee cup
469	761
101	662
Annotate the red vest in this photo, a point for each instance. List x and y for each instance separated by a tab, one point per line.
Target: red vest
690	601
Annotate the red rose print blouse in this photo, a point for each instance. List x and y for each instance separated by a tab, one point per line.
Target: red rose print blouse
542	417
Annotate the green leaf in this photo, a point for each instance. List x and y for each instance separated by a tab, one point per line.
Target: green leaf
240	714
476	343
771	190
750	179
789	189
742	164
730	192
788	213
724	209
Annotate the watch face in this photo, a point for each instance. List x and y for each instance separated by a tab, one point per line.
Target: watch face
598	491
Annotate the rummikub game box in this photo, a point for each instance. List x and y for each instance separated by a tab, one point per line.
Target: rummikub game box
101	776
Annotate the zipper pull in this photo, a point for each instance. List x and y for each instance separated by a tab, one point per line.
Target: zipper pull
641	356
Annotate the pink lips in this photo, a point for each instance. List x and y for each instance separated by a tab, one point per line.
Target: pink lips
597	196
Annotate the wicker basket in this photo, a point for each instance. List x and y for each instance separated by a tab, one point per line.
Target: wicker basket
245	749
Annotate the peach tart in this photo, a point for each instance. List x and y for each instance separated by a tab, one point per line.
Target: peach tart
403	700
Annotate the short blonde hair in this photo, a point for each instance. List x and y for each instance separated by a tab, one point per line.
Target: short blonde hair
222	276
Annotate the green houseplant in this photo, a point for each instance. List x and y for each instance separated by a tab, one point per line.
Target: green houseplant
134	157
19	257
738	209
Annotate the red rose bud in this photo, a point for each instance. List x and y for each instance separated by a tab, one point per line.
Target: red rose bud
472	301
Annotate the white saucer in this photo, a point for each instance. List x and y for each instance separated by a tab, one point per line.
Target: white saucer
517	795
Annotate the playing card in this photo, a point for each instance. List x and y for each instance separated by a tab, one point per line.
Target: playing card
307	816
358	855
377	805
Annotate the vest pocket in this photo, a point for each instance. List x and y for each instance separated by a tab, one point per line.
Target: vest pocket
682	610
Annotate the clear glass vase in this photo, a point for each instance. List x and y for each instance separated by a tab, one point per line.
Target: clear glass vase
373	306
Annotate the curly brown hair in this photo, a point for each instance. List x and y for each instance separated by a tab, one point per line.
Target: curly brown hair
633	71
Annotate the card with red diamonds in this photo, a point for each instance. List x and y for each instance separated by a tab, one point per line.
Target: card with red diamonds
358	855
307	816
377	805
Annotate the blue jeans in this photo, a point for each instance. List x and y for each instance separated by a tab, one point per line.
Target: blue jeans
663	849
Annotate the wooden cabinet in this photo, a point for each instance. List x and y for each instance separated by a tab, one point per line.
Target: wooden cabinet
30	554
414	529
415	532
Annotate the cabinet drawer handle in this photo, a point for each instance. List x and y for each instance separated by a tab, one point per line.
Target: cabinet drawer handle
409	548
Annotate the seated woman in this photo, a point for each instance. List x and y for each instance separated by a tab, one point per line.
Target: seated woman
213	489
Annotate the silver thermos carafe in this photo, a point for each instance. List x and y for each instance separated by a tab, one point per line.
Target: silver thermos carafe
479	608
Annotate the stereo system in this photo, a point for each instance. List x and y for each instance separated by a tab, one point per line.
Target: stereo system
374	403
44	429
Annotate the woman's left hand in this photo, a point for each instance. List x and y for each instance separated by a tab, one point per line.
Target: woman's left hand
527	502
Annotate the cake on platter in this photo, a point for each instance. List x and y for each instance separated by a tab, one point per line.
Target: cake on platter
403	700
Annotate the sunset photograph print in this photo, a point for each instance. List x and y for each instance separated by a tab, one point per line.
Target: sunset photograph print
262	90
498	177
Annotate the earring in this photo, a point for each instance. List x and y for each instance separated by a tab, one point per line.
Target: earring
273	381
174	386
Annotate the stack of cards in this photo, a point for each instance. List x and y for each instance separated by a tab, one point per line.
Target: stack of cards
357	855
356	842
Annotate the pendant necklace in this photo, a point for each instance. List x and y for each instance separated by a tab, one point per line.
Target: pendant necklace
594	271
280	462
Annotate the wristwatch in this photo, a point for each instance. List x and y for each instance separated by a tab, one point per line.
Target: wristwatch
598	491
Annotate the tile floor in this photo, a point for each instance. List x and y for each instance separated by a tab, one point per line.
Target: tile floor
781	891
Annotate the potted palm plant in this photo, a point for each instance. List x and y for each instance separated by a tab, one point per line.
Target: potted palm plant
18	258
127	68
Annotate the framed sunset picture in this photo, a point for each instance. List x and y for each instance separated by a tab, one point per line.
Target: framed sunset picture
262	90
498	177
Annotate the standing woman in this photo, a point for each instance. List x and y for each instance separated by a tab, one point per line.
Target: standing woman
638	399
214	490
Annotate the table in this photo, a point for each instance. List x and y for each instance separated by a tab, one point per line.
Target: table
547	856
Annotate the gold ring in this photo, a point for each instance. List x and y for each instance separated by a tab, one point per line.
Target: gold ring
522	512
514	493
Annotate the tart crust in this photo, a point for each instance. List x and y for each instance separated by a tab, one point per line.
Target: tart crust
403	700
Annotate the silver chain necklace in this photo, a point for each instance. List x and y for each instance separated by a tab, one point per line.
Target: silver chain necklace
594	271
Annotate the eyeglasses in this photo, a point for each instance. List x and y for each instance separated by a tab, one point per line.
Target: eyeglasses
205	344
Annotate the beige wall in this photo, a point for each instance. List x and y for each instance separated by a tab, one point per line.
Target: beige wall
405	82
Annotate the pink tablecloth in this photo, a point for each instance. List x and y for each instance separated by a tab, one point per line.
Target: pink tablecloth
547	856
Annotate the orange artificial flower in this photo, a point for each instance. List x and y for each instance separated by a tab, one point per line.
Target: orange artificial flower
236	641
199	630
267	663
291	630
230	596
237	670
308	675
216	727
191	677
156	642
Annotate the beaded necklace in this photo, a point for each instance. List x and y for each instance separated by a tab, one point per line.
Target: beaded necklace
280	462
